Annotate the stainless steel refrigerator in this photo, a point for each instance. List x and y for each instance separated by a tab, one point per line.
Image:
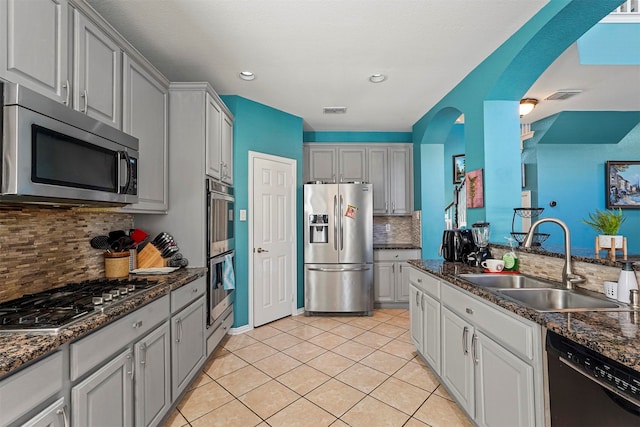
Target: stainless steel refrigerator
338	248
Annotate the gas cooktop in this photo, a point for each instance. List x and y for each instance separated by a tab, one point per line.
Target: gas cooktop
52	310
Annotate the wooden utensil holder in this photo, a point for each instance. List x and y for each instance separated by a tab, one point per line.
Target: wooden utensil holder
150	257
116	265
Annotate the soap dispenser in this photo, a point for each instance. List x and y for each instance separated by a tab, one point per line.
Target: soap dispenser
626	281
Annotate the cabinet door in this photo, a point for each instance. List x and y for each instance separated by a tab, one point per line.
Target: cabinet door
504	386
34	47
416	316
322	164
431	326
187	344
145	116
383	282
227	149
213	138
457	366
153	377
98	73
378	171
106	397
353	164
400	181
402	281
55	415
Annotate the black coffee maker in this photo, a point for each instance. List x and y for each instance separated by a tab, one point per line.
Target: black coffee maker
457	245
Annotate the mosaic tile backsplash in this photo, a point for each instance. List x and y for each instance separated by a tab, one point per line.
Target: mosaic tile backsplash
403	229
45	247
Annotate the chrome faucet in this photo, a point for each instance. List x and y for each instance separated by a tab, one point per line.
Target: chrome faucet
568	277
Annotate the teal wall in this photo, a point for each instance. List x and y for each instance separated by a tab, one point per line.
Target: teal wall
260	128
601	44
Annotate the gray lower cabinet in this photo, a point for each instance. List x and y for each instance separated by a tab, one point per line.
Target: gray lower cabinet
457	364
153	376
391	274
187	345
105	398
55	415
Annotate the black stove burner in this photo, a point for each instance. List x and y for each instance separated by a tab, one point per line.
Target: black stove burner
50	310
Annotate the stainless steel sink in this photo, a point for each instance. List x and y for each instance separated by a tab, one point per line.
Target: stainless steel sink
513	281
561	300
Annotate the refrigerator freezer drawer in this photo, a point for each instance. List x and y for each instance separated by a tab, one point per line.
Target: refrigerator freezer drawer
338	288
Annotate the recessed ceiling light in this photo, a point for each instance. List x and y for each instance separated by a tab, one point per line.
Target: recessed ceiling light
247	75
377	78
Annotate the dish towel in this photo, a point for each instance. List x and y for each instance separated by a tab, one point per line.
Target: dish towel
228	277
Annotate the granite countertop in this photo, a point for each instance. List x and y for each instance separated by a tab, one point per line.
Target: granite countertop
386	246
19	349
613	334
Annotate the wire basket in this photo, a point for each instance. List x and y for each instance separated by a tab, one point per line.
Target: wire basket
538	238
527	212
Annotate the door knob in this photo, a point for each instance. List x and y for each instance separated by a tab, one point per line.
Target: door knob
260	250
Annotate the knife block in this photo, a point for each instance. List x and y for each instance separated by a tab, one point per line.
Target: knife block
149	257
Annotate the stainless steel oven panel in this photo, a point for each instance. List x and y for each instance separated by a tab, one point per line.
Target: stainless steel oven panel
220	218
24	109
218	298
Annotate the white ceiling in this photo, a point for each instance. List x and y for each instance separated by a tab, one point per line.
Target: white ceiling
310	54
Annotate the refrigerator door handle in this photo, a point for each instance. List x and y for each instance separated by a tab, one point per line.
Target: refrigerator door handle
335	222
338	269
341	225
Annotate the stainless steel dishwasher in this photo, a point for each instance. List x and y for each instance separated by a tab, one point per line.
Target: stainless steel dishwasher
589	389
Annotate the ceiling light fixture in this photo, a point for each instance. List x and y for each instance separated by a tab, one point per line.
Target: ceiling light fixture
247	75
377	78
527	105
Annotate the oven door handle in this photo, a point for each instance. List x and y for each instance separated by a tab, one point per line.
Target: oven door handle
612	390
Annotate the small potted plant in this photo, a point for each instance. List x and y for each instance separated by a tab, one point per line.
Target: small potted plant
607	223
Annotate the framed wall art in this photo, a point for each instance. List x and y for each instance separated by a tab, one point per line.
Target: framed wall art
622	183
475	189
458	168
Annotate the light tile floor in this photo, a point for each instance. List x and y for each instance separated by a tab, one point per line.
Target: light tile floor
319	371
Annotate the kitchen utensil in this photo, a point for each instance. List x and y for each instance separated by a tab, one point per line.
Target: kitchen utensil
137	236
626	281
100	242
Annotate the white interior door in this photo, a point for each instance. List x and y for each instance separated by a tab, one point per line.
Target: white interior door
273	220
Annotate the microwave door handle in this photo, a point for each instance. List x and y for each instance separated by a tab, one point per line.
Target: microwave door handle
127	160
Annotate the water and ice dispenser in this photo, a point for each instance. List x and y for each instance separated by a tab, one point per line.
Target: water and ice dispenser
319	228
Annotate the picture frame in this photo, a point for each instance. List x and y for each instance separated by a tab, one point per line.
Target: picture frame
622	184
458	168
475	189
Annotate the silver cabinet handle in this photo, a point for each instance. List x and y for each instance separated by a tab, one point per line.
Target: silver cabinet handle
179	331
335	222
85	95
195	290
422	302
465	334
393	268
260	250
386	206
65	417
474	349
137	324
417	297
400	268
419	280
469	311
393	207
132	372
68	90
143	353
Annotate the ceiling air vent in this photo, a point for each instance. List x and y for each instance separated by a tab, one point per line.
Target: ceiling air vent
562	94
334	110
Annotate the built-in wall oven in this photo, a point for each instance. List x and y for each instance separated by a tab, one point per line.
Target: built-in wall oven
220	249
587	388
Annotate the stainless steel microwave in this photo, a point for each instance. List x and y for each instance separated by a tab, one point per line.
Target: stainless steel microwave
54	154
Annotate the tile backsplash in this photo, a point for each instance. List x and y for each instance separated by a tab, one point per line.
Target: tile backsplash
45	247
402	229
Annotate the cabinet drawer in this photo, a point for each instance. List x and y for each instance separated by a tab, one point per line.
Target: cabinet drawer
181	297
98	347
425	282
219	333
509	331
26	389
395	254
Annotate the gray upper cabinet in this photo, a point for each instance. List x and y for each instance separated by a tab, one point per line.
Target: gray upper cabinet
352	164
219	141
378	165
34	48
400	180
97	72
146	116
322	164
331	163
